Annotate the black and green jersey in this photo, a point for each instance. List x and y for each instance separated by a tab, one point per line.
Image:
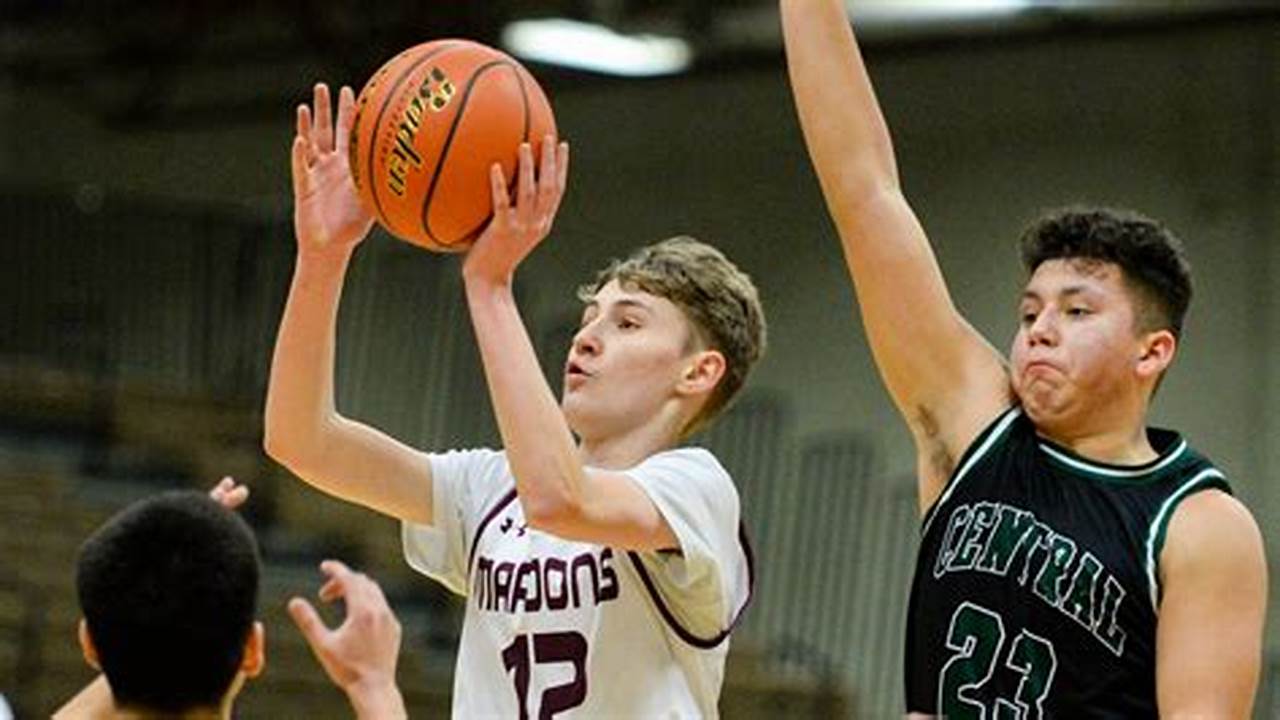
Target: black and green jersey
1037	588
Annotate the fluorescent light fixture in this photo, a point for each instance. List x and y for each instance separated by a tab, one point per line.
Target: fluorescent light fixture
908	11
587	46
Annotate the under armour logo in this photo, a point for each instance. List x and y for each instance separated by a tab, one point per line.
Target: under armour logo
507	524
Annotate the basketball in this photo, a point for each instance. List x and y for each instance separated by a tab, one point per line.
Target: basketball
428	126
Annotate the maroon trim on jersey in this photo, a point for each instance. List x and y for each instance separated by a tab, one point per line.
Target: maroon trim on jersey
502	504
682	632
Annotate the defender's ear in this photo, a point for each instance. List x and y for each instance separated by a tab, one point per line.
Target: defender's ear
1156	353
255	651
87	648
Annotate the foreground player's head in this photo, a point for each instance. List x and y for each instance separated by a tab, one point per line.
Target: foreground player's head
675	325
168	588
1100	316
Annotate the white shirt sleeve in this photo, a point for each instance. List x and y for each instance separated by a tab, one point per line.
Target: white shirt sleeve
464	484
707	583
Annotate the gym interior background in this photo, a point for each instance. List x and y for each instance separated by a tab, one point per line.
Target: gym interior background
147	246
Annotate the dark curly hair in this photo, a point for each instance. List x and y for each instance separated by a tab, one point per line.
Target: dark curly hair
1150	258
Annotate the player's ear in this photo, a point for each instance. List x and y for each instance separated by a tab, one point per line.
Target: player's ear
702	372
87	648
1156	353
255	651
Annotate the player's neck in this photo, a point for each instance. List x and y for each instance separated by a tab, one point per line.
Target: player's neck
1127	445
625	450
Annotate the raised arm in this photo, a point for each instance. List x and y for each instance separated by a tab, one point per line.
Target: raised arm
946	380
1209	638
557	493
303	429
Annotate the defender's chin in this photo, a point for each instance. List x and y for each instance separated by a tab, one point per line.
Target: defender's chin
1049	412
1038	403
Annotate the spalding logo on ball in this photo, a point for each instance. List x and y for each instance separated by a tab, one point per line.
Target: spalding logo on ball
429	124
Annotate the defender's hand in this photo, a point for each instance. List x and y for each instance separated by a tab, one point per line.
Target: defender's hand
229	494
360	654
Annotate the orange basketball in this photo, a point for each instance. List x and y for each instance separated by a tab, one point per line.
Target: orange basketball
429	124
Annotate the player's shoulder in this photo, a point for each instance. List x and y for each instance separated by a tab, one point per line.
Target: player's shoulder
1210	526
1209	511
688	457
690	466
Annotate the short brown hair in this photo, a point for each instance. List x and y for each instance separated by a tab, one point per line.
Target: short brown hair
719	300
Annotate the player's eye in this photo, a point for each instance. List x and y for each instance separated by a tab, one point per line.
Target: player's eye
1077	312
627	323
1028	317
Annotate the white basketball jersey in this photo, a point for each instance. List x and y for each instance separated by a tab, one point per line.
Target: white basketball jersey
563	629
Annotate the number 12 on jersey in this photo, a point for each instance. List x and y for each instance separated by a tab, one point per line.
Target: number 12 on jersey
548	648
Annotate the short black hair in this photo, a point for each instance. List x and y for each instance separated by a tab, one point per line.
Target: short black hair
1149	256
169	589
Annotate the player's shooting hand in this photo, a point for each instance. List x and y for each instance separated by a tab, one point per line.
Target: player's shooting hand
229	494
327	213
360	654
516	229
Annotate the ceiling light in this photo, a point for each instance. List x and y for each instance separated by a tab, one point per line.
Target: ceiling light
900	11
587	46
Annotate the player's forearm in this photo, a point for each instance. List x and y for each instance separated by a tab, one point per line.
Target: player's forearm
539	446
380	702
300	402
843	127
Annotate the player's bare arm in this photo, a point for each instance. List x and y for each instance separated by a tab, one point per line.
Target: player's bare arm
303	429
1209	638
557	493
946	380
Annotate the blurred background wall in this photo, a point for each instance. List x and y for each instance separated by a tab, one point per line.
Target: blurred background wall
146	250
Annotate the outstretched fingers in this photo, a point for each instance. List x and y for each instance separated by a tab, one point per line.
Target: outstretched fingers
552	177
229	494
526	190
346	119
308	621
562	166
322	135
498	190
301	166
547	174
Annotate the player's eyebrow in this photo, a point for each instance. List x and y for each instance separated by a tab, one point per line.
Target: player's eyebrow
622	303
633	303
1067	292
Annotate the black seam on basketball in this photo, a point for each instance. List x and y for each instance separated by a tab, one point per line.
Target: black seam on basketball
448	143
524	100
382	111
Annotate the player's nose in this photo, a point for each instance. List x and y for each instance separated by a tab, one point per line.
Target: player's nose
585	342
1043	331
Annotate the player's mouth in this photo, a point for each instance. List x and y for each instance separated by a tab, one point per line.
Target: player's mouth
1040	367
574	374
